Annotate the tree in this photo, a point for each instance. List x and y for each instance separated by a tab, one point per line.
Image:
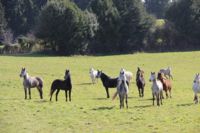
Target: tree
157	7
108	18
135	24
187	23
2	21
21	14
65	27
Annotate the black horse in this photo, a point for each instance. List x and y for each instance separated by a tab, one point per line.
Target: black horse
65	85
140	82
108	82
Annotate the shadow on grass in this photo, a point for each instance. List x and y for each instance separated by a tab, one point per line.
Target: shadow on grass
84	84
104	108
185	104
142	99
143	106
40	101
100	98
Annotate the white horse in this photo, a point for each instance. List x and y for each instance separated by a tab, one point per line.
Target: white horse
122	89
157	88
128	74
166	72
196	87
93	75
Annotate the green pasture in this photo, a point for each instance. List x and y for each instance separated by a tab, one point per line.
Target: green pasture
90	111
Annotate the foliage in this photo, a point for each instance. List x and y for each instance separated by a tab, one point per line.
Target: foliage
187	22
66	27
21	14
2	21
157	7
123	25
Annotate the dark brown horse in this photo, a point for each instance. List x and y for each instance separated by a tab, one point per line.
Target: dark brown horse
65	85
140	82
167	85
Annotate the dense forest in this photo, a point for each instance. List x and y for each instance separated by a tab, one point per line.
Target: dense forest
69	27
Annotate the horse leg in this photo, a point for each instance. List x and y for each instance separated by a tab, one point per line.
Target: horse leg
25	91
170	93
139	91
195	98
120	101
107	92
158	97
142	91
29	93
58	90
40	91
153	98
166	93
66	95
51	93
127	101
70	95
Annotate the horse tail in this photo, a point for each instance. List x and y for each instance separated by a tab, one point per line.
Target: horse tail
40	82
114	96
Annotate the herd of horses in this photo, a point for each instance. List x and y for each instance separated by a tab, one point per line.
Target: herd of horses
160	82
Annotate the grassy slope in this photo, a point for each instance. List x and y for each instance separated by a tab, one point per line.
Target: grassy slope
89	110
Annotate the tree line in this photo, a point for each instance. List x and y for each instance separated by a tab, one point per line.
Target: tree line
104	26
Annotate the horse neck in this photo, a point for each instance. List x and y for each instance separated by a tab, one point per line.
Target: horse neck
26	76
68	79
104	77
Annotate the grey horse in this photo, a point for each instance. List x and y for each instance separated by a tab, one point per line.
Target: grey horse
31	82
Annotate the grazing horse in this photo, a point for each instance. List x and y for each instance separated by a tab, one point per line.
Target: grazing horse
107	82
156	88
167	85
122	89
31	82
166	72
65	85
196	87
128	74
93	75
140	81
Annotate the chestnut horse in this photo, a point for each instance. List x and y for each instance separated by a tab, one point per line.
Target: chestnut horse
167	85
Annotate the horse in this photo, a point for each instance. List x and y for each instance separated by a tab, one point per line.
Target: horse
128	74
166	72
107	82
157	88
167	85
122	89
31	82
65	85
196	87
140	82
93	75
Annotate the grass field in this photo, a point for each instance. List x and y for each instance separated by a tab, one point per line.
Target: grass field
89	110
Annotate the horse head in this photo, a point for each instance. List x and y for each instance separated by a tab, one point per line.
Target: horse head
122	75
67	74
152	76
99	73
23	72
197	78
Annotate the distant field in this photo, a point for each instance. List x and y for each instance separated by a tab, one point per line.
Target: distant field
89	110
